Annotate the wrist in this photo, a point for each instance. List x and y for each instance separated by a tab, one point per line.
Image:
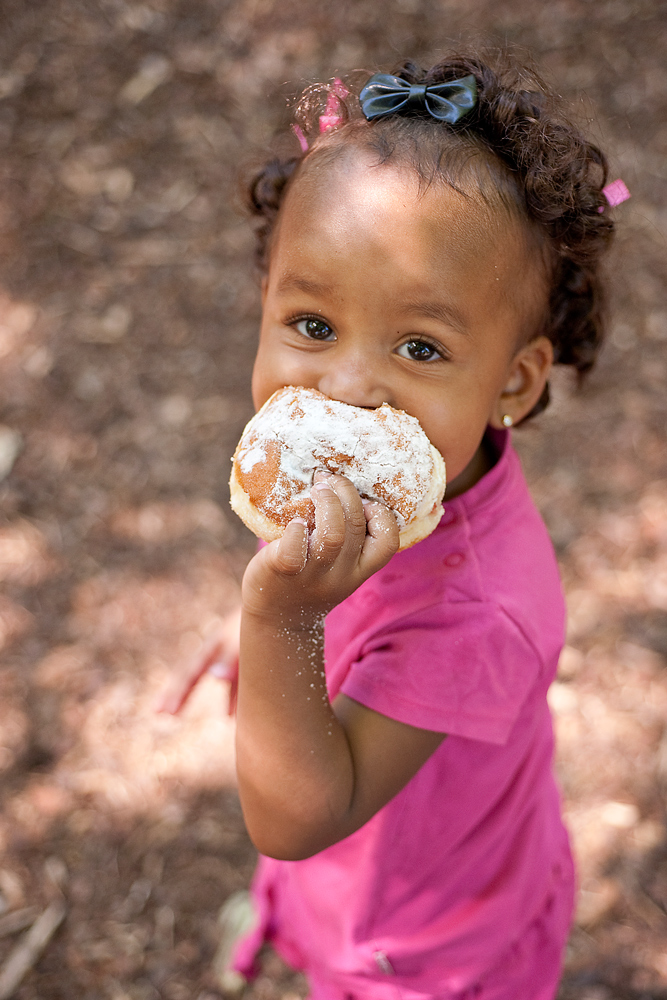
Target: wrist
283	622
282	627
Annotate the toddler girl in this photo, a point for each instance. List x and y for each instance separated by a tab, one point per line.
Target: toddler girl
435	247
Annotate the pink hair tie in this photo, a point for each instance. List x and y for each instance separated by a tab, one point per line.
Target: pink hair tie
303	142
615	192
332	116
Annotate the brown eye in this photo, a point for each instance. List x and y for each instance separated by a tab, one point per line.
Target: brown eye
418	350
315	329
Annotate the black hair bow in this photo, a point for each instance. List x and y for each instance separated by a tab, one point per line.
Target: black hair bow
390	95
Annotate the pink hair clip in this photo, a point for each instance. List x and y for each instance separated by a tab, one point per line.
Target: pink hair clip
332	116
615	192
303	142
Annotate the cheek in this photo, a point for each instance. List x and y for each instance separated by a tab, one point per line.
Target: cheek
458	444
456	426
262	386
261	382
274	368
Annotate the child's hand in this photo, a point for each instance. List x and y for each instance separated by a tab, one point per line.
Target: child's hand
298	579
219	656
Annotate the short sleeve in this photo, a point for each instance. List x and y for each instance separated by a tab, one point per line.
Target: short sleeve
466	676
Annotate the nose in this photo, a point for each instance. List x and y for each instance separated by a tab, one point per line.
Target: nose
355	377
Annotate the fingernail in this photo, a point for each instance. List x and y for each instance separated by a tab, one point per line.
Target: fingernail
322	474
320	486
300	520
365	501
221	670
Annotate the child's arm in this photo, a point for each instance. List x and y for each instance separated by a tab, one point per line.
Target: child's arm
311	773
219	654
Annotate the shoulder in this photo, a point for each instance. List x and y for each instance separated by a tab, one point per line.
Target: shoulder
513	556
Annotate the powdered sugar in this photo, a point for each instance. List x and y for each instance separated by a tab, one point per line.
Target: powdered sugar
384	452
250	457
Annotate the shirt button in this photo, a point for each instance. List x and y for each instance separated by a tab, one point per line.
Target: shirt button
383	963
454	559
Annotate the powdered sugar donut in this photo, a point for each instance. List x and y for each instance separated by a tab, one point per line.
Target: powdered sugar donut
384	452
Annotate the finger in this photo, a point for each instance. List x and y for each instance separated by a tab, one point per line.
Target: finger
172	700
288	555
329	534
179	689
382	539
223	670
355	518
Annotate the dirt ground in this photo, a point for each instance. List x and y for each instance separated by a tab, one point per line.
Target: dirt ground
128	315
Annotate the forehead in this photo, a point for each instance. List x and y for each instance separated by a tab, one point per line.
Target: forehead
352	196
381	215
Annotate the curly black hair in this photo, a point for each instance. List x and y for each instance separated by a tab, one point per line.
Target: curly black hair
518	146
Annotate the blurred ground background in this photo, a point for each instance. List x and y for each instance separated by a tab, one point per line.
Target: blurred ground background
128	315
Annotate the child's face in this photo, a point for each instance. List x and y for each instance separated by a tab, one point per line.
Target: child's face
377	293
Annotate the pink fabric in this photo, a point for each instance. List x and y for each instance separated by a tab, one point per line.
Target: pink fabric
333	115
303	142
616	192
528	971
440	889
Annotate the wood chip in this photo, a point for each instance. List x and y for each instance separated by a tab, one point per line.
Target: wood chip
27	952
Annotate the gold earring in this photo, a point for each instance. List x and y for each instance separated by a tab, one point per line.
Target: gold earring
507	420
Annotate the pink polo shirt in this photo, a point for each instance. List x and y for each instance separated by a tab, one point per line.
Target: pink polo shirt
460	634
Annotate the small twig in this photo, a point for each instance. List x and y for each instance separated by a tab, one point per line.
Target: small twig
18	920
27	952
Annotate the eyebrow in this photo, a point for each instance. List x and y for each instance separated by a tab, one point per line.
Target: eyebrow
439	311
295	283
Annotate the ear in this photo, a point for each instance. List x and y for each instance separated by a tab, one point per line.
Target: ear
526	378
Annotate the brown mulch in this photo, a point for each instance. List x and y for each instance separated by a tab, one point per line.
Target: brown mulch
128	315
